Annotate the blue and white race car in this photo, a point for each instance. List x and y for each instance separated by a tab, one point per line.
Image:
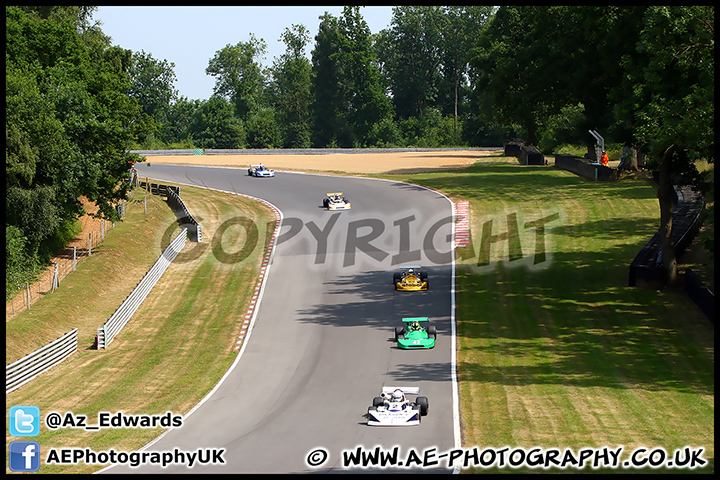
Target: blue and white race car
393	409
260	171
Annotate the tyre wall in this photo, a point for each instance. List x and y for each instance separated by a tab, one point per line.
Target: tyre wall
646	270
583	167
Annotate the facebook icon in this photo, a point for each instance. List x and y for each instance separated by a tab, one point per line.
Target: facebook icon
24	456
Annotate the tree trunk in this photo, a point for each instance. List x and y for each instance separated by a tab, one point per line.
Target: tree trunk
665	198
640	158
629	161
531	131
456	109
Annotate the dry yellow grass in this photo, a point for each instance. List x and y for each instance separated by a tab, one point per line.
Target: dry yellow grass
367	163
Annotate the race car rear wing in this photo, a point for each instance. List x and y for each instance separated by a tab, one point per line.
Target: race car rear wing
403	267
405	390
332	194
416	319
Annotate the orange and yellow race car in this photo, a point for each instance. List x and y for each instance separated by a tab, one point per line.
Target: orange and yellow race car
410	278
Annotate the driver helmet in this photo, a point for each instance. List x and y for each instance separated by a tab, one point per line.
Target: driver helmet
416	326
410	271
398	396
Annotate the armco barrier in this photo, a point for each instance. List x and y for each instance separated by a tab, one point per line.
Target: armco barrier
143	153
176	203
122	315
646	269
700	294
21	372
173	197
583	167
157	188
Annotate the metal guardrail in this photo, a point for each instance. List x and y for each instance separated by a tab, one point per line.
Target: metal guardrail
184	151
122	315
30	366
176	203
27	368
174	199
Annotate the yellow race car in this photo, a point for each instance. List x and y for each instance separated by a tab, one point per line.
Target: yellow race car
410	278
336	201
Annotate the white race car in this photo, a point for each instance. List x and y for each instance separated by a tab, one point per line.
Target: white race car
393	409
260	171
336	201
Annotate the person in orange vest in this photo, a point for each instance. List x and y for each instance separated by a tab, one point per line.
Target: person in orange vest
604	158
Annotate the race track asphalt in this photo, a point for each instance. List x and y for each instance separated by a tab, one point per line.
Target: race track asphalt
321	346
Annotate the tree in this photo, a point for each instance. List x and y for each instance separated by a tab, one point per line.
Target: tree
152	85
535	62
238	75
178	120
348	95
214	125
673	84
291	88
68	125
459	27
365	97
263	130
68	116
507	72
410	54
328	99
581	58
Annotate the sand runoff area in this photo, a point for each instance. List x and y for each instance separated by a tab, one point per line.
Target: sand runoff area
356	163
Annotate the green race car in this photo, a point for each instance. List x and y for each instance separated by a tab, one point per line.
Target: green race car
414	335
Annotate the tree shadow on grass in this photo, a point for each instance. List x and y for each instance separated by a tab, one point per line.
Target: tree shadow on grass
527	183
563	326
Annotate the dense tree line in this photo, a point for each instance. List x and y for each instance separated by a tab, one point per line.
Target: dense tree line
405	86
437	76
68	123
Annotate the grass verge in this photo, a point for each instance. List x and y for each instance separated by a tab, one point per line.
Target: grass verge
554	350
177	345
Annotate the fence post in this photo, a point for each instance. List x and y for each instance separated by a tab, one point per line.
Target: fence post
55	281
74	258
102	228
89	244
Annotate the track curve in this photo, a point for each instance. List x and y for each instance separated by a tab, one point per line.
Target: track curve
322	343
